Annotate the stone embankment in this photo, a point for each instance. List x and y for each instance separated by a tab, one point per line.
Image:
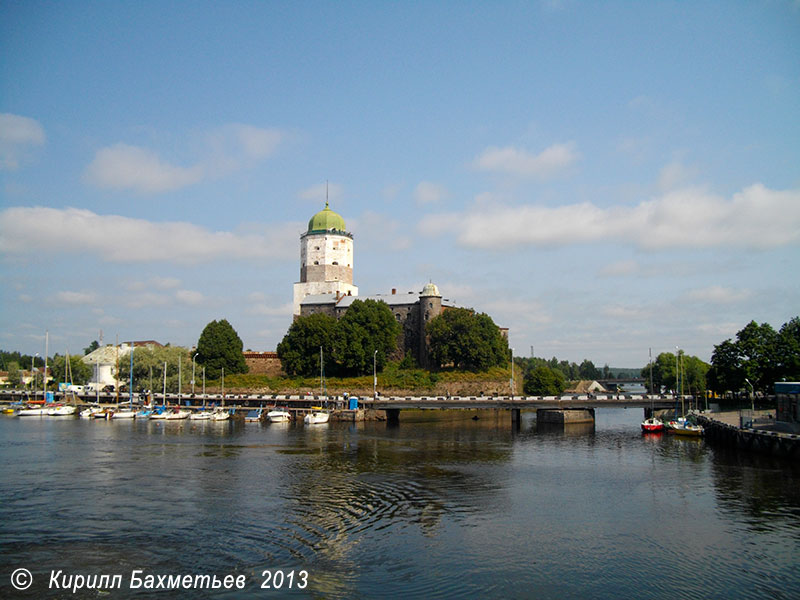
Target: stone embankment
760	433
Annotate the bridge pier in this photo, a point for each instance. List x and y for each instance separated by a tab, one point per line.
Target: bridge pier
392	416
516	418
563	416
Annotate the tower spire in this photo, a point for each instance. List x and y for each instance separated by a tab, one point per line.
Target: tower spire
326	193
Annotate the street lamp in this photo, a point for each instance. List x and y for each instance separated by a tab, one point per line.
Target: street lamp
374	375
752	400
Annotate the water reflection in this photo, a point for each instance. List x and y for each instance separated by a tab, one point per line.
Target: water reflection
437	506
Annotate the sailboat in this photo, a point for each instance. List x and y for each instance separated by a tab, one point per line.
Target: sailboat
651	424
65	410
682	426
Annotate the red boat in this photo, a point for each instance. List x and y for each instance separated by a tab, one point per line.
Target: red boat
652	425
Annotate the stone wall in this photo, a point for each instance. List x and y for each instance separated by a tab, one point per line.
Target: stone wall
263	363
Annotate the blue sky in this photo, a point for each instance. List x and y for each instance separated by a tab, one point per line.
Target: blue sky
601	178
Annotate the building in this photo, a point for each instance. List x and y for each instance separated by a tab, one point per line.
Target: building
326	259
105	361
326	284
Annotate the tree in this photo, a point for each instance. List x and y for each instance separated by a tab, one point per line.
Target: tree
466	340
79	372
789	350
220	347
543	381
587	370
299	350
91	348
151	361
14	374
367	326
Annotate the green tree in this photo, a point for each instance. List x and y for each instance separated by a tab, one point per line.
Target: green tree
726	372
79	372
14	374
587	370
299	350
220	347
91	347
789	350
543	381
367	326
152	361
466	340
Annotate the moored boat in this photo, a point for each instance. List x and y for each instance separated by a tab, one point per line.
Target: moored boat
200	415
220	414
652	425
64	410
90	411
316	417
253	416
279	415
32	411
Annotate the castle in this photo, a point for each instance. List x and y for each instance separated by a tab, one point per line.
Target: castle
326	284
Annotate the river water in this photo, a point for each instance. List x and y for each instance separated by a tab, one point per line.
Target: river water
441	506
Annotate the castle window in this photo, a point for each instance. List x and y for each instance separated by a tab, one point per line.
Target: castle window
334	263
316	262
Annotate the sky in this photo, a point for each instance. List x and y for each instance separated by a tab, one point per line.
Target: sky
602	178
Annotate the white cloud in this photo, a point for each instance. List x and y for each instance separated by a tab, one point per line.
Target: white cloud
114	238
549	162
428	192
129	167
189	297
224	150
69	297
140	300
619	311
17	134
717	294
756	217
321	192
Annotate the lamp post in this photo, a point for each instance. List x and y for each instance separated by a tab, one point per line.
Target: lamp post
752	401
204	383
374	374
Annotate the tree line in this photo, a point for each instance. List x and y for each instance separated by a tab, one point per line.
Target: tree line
368	335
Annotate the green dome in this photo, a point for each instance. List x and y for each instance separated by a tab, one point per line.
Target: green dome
326	220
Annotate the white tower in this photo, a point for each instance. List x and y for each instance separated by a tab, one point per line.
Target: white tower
326	259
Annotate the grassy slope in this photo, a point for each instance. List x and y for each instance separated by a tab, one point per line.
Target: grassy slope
391	381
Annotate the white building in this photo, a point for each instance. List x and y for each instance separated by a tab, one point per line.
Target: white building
326	259
104	362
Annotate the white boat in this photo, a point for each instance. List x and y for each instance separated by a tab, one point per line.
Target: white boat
89	412
279	415
66	410
220	415
200	415
37	411
176	414
316	417
122	413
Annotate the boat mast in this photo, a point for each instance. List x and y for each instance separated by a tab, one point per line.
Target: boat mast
44	379
130	390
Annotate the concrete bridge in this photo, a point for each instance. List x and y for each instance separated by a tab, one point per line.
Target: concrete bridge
575	408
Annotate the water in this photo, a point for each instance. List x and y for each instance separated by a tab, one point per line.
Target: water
442	506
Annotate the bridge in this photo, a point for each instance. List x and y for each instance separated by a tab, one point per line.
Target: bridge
572	407
566	404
